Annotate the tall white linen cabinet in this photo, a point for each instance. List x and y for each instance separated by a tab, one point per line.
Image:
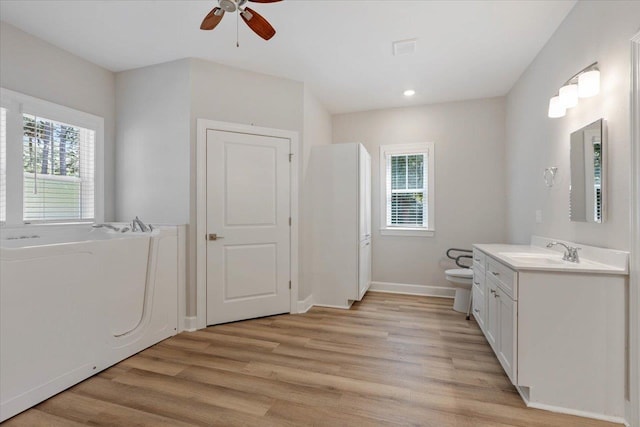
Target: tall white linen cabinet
340	183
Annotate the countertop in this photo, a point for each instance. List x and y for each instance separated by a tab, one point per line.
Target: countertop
530	257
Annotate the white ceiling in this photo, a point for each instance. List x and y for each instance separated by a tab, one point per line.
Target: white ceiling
341	48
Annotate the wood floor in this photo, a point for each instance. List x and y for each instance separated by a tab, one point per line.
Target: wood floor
390	360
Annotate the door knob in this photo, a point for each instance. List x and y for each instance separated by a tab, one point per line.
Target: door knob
214	236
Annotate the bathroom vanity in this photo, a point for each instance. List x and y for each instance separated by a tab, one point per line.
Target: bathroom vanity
557	327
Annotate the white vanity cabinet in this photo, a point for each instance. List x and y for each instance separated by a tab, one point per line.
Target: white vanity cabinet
478	290
495	308
339	238
556	327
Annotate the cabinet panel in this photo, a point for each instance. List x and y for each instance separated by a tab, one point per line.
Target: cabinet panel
364	268
504	276
493	314
478	306
478	279
478	259
364	184
507	341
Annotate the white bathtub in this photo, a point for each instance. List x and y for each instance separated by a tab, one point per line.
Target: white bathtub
76	300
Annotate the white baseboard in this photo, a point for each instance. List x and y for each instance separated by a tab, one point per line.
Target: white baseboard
402	288
189	324
305	305
342	307
576	412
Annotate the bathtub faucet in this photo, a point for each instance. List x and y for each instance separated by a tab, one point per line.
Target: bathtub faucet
138	225
106	226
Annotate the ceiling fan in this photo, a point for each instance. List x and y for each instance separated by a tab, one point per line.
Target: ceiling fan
253	19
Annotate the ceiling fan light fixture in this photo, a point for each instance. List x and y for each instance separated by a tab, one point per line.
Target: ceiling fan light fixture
228	5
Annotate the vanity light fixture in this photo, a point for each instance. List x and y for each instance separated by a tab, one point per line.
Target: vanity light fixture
583	84
409	92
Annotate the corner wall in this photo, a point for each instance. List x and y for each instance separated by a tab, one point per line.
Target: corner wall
228	94
469	180
152	156
34	67
317	131
593	31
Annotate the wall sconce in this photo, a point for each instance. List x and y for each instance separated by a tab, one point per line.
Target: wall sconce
583	84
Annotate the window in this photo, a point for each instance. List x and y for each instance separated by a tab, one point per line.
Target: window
49	162
407	194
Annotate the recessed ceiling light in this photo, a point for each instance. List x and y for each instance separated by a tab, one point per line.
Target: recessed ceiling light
409	92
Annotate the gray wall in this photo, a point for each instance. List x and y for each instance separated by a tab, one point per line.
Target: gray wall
593	31
470	181
34	67
152	156
228	94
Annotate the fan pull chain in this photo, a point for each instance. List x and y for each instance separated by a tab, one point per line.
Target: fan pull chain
238	28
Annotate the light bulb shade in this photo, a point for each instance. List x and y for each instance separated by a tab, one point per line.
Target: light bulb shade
556	109
569	95
589	84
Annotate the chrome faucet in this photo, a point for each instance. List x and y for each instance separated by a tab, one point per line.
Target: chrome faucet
571	253
138	225
109	226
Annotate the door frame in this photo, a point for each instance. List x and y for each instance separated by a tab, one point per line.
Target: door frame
633	404
204	125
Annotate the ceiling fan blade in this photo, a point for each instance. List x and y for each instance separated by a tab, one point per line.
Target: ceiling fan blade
212	19
265	1
257	23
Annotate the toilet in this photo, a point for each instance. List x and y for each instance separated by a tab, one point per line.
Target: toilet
462	279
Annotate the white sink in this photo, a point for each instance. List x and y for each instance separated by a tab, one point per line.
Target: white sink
534	258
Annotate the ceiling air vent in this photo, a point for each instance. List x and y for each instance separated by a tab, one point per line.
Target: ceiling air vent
404	47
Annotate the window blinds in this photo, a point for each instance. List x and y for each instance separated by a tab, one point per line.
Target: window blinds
406	190
3	165
58	163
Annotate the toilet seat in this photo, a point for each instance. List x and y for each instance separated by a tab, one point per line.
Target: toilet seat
464	273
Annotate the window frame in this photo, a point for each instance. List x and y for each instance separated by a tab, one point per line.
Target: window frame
16	104
428	149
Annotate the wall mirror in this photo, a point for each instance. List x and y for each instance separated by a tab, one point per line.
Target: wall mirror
588	172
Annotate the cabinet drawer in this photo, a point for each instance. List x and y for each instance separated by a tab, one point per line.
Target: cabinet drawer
505	277
478	307
478	278
478	259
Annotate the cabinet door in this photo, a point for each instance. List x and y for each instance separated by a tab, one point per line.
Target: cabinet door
364	268
507	341
478	304
367	204
364	189
493	314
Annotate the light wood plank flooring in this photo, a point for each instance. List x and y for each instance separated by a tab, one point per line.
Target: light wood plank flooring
390	360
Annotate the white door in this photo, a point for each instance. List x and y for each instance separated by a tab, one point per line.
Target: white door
248	226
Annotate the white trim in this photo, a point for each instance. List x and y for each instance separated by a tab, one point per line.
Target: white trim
632	406
411	148
17	102
201	215
305	304
407	289
182	280
341	307
189	324
415	232
578	413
